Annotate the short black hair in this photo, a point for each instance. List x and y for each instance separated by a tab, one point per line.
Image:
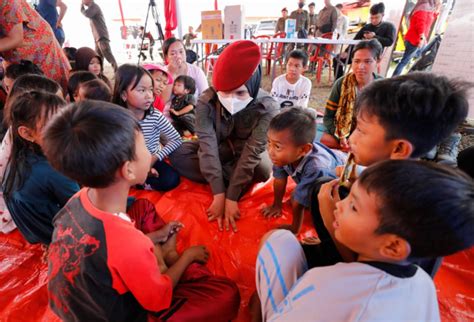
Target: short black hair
429	205
312	4
90	140
76	79
373	45
24	67
97	89
188	83
377	8
298	54
128	75
420	107
339	6
299	121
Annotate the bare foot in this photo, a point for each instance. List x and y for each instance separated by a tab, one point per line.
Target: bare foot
170	254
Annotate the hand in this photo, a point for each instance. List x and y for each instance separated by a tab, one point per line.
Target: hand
174	112
59	25
344	145
328	196
422	43
198	254
272	211
339	169
153	173
289	227
171	228
369	35
216	209
231	214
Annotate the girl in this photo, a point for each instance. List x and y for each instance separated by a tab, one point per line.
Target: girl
21	85
87	59
134	90
34	192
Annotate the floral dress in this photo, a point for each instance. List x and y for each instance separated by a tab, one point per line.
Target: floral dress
39	43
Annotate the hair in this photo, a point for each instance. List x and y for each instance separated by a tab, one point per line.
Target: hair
373	45
429	205
188	83
298	54
300	122
167	44
24	67
284	9
128	75
70	53
377	8
420	107
28	109
312	4
339	6
27	83
76	79
97	89
90	140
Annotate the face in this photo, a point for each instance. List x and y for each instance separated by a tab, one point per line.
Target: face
160	80
363	65
176	54
179	90
376	19
141	164
282	150
190	30
241	93
7	84
311	9
81	94
87	2
140	97
294	68
327	2
94	66
356	220
284	13
368	143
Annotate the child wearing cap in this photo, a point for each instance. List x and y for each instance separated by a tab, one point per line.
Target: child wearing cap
232	119
161	79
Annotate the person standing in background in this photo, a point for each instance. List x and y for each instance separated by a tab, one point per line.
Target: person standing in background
280	26
99	30
313	18
302	20
47	10
327	19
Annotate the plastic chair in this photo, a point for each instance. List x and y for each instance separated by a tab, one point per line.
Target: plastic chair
323	55
275	52
264	47
211	58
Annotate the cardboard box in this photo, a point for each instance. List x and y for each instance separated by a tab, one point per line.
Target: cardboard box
211	24
234	22
290	28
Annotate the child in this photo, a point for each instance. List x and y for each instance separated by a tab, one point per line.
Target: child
94	89
161	79
293	153
398	118
100	266
22	84
397	211
292	88
134	90
14	71
33	191
75	80
182	105
87	59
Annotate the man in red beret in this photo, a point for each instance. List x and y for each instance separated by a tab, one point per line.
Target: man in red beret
232	119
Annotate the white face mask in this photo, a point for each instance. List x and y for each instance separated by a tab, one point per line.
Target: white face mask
233	105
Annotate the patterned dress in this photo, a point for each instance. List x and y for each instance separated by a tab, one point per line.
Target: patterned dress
39	44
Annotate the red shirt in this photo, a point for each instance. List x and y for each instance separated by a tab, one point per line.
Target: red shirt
420	24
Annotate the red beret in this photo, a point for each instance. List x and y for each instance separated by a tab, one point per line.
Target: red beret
235	65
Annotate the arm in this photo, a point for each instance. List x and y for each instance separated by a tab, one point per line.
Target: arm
388	37
279	189
185	110
13	38
190	255
298	215
306	93
306	23
62	11
91	11
171	136
333	20
332	106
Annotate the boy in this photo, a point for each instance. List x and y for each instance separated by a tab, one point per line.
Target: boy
182	105
161	79
292	88
397	211
397	118
100	266
293	153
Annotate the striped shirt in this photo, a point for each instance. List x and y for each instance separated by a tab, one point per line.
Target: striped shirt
157	128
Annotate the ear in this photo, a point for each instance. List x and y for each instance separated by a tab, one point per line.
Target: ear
395	248
26	133
401	149
306	148
123	96
127	171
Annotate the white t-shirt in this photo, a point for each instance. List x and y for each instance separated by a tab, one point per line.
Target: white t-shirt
359	292
288	95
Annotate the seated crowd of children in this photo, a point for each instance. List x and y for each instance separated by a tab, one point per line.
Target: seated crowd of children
67	170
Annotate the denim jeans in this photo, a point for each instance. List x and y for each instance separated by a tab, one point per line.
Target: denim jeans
410	52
